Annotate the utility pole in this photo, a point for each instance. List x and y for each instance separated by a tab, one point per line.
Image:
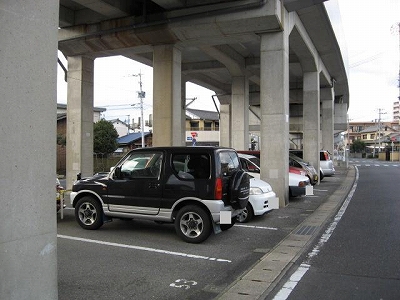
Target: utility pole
141	95
379	127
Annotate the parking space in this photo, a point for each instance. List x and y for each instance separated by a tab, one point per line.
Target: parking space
146	260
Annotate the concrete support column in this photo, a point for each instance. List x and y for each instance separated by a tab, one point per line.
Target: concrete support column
28	85
225	121
79	117
327	125
240	113
183	112
167	102
311	118
274	103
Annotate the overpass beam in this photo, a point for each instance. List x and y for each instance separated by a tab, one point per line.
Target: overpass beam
311	118
79	145
274	104
167	101
327	123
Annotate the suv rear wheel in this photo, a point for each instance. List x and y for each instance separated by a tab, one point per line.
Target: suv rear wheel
193	224
88	213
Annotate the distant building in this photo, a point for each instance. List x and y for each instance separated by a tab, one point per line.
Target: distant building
133	141
202	127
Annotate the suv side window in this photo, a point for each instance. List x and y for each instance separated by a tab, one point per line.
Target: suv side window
229	162
191	166
142	165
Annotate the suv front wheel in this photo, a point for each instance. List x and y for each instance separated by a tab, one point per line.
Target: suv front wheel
88	213
193	224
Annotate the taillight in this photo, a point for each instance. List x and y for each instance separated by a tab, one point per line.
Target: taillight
326	155
218	189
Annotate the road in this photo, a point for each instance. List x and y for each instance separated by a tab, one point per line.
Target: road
360	257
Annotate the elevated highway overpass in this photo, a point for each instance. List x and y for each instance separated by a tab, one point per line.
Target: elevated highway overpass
280	58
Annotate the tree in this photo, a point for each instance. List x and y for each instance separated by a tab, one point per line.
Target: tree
357	146
104	137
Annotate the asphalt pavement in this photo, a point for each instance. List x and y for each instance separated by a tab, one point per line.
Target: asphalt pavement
315	212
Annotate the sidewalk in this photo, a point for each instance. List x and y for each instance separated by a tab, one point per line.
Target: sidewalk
264	275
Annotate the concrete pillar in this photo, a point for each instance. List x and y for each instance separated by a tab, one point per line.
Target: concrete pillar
311	118
225	120
274	103
167	102
183	113
240	113
79	143
28	228
327	99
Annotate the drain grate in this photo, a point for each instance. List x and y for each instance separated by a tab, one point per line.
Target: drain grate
306	230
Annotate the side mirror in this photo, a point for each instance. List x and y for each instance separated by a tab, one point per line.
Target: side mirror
117	172
79	176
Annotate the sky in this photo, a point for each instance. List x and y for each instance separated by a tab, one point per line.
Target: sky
367	33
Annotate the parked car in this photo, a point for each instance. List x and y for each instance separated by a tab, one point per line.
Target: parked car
196	188
326	163
298	162
261	194
295	165
327	167
297	182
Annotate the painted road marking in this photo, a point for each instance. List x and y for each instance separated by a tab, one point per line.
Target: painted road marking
142	248
256	227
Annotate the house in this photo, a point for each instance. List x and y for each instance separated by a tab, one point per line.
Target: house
202	127
121	127
132	141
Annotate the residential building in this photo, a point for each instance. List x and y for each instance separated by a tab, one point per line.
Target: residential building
202	127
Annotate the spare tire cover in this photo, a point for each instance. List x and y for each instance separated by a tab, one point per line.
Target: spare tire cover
239	189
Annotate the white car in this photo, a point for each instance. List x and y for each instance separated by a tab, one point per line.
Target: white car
297	183
261	194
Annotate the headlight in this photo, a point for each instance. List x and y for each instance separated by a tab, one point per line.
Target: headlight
255	191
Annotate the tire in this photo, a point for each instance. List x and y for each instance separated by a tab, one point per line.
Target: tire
225	227
193	224
246	215
89	213
321	176
239	189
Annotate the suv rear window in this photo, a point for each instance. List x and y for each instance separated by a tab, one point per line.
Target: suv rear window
229	162
191	166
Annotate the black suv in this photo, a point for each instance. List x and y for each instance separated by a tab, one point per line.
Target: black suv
199	189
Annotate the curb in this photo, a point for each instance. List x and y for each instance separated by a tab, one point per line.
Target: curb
264	276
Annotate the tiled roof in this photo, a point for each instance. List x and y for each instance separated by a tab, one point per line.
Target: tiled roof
202	114
130	138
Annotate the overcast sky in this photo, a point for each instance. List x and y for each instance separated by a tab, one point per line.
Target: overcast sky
367	33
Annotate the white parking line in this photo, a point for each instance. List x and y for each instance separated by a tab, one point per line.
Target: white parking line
143	248
256	227
320	190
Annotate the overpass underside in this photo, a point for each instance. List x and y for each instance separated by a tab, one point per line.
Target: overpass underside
275	67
